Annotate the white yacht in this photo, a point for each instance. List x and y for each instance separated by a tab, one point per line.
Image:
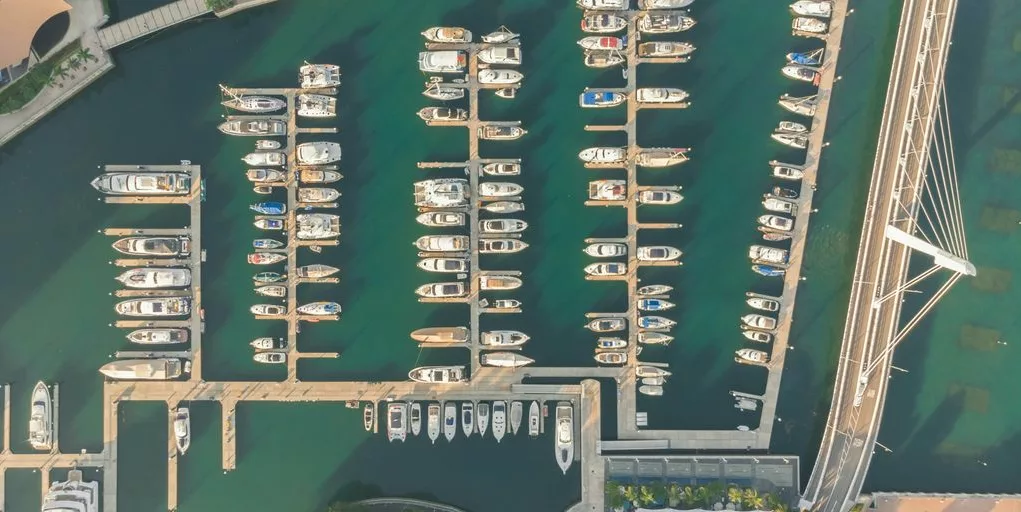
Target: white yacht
319	76
315	271
659	197
768	255
757	336
606	269
255	104
154	246
432	422
654	338
156	277
654	289
501	246
447	35
317	195
254	127
794	140
533	419
606	324
158	336
444	61
763	304
506	55
499	207
665	49
317	226
601	99
502	169
268	343
505	359
500	35
442	114
397	421
449	420
660	95
440	335
267	309
182	429
318	153
606	250
40	423
143	183
482	418
318	175
316	105
603	155
163	306
664	23
603	5
658	253
650	390
760	322
602	23
438	374
446	265
817	8
443	92
491	132
500	76
72	495
777	222
467	418
499	419
800	73
788	172
775	204
441	219
515	416
611	357
603	59
607	190
662	157
270	357
319	308
747	355
145	369
610	342
565	435
499	189
497	283
416	418
655	322
442	243
664	4
502	226
810	25
654	305
504	338
442	193
272	290
601	43
265	175
265	158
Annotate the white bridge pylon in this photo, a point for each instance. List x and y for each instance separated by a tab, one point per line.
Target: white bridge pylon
941	257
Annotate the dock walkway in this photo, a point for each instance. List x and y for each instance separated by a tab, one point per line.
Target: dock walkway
152	21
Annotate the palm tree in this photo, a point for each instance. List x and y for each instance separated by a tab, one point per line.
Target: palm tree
734	495
775	504
85	54
673	495
614	497
688	496
61	71
630	493
752	501
645	496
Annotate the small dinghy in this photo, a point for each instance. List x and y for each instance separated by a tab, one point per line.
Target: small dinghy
272	290
269	208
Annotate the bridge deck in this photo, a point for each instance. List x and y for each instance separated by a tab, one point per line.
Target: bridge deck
151	21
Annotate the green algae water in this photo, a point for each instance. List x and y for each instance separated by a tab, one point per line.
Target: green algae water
160	104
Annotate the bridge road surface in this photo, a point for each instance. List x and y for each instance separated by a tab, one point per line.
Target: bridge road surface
881	267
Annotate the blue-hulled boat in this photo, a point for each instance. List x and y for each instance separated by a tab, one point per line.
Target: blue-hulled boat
654	304
267	243
601	99
768	271
812	58
270	208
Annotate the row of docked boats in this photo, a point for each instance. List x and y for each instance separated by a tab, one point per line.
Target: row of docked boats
809	17
606	98
501	48
491	341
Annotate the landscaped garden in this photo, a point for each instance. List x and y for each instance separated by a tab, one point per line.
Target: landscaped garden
662	495
66	64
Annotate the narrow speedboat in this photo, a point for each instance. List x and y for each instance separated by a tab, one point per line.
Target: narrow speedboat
40	422
608	343
482	418
663	4
602	43
503	207
272	290
319	76
662	157
606	269
163	306
499	419
443	92
768	271
607	190
651	371
502	169
432	422
818	8
659	197
500	76
499	189
655	322
800	73
497	283
441	290
143	183
270	158
654	304
666	49
760	322
182	429
155	278
318	153
601	99
265	175
267	309
266	258
505	359
397	421
794	140
491	132
776	222
654	338
158	336
757	336
603	59
369	416
316	105
467	418
440	335
565	435
154	246
509	55
269	224
654	289
603	5
444	61
267	243
255	104
810	25
515	416
269	277
268	343
658	253
650	390
270	357
533	419
664	23
602	23
442	114
416	418
320	308
606	325
606	250
447	35
660	95
504	338
442	243
269	208
502	226
449	420
763	304
446	265
603	155
254	127
751	356
317	195
317	175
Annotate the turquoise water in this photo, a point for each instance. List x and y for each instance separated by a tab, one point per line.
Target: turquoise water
161	105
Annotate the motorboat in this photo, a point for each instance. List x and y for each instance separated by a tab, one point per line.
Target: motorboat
317	105
501	35
602	43
506	93
501	246
447	35
606	250
319	308
145	369
416	418
432	421
269	208
503	207
443	92
812	58
491	132
654	338
654	289
791	127
655	322
267	243
317	195
499	189
763	304
443	114
269	224
262	189
654	305
317	175
603	59
499	283
502	226
318	153
774	204
40	422
533	419
794	140
444	265
660	95
272	290
500	76
161	306
504	338
315	271
254	127
143	183
607	190
810	25
606	325
267	309
255	104
515	416
442	193
266	144
440	290
665	49
609	343
502	169
818	8
317	226
654	381
603	5
72	495
505	304
603	155
268	343
768	255
663	4
158	336
449	420
397	421
800	73
268	158
565	435
773	236
182	429
650	390
757	336
509	55
154	246
156	277
602	23
269	277
659	197
369	416
747	355
785	193
442	243
804	106
443	61
440	335
662	157
658	253
664	23
606	269
761	322
651	371
505	359
768	271
265	175
467	418
499	419
787	172
482	418
319	76
776	222
601	99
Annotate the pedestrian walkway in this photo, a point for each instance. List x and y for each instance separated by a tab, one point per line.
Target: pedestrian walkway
151	21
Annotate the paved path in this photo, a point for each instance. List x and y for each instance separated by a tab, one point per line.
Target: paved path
151	21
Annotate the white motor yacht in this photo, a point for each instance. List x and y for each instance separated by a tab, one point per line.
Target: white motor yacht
663	4
443	92
757	336
747	355
416	418
72	495
265	158
659	197
467	418
397	421
664	23
444	61
800	73
40	422
317	195
763	304
267	343
761	322
787	172
777	222
504	338
267	309
497	283
662	157
602	23
651	371
317	226
768	255
665	49
158	336
319	76
499	189
182	429
651	390
501	246
272	290
606	250
432	422
606	269
444	265
607	190
145	369
507	55
442	193
502	226
265	175
491	132
658	253
317	105
482	418
318	153
778	205
442	114
321	308
271	357
565	435
810	25
500	76
442	243
449	420
255	104
601	43
162	306
601	99
660	95
502	169
143	183
654	338
155	277
499	419
603	59
154	246
533	419
603	155
447	35
654	289
505	359
606	325
441	219
817	8
603	5
441	290
499	207
317	175
254	127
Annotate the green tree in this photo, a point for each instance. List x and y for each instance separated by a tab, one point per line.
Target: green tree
716	491
645	496
702	496
630	493
734	495
219	5
750	497
688	496
659	491
614	496
61	71
674	495
74	64
85	55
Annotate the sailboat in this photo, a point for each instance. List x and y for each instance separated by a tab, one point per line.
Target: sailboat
515	416
40	424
